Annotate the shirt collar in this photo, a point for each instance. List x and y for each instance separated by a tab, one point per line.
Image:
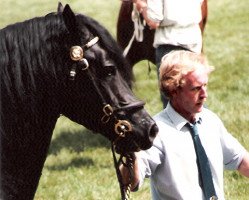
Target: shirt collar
178	120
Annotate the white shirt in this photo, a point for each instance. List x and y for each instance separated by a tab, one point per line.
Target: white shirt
171	161
179	22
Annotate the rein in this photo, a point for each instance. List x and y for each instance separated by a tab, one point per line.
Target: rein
125	190
138	29
121	127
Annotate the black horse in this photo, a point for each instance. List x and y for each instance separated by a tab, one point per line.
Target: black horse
62	63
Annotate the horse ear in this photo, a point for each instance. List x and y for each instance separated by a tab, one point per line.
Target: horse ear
69	19
60	7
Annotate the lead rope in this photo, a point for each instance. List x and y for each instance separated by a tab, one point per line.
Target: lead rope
125	190
138	29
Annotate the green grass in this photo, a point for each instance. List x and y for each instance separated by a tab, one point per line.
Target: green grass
79	164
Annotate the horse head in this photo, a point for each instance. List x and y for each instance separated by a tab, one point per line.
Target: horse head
99	94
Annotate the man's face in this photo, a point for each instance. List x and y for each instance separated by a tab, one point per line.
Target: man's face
189	99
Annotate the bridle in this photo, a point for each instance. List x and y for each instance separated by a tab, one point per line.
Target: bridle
121	127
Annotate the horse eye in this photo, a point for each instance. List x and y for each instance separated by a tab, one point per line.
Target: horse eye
110	70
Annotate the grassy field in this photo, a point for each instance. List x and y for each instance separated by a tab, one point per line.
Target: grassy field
79	164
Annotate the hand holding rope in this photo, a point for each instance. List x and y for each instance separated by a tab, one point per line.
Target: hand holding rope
128	162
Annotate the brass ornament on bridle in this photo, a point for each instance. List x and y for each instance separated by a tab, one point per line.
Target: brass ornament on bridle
122	127
76	53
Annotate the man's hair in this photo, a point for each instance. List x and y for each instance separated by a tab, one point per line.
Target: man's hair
176	65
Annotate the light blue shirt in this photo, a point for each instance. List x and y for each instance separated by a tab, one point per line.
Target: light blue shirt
171	161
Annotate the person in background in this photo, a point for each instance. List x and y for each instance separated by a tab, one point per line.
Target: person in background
176	24
173	163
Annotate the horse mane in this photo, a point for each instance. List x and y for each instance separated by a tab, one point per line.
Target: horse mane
24	53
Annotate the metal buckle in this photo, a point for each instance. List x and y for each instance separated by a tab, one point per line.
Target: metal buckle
108	111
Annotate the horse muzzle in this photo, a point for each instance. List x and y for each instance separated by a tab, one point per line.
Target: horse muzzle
133	128
135	134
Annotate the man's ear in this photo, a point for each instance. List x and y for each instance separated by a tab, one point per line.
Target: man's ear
173	93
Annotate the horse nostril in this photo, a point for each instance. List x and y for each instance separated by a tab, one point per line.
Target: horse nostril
153	132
